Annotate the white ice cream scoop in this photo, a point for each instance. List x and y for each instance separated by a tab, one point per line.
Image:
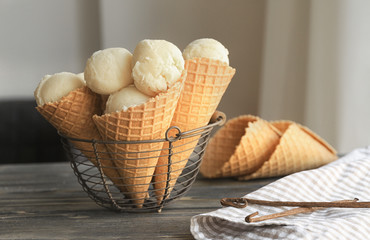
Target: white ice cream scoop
206	48
123	99
53	87
108	70
81	75
157	64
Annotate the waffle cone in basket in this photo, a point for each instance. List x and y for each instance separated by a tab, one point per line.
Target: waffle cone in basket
72	117
240	147
136	161
299	149
205	84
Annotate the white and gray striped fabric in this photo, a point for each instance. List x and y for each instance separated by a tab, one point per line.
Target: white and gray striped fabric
345	178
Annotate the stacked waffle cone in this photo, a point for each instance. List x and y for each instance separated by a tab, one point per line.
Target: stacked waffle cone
137	161
249	147
204	87
72	117
119	111
129	162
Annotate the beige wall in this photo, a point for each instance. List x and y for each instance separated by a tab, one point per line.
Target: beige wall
48	36
238	24
315	68
284	67
306	61
43	37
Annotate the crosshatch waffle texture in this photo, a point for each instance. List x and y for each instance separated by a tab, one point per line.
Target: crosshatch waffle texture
205	84
72	117
255	148
299	149
105	193
240	147
147	121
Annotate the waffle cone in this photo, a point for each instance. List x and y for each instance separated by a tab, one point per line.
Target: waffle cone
299	149
204	87
72	117
240	147
136	161
103	103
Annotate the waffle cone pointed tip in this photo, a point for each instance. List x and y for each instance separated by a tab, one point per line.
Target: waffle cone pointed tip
72	117
205	84
149	121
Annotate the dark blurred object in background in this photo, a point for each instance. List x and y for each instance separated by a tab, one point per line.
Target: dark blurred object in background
25	136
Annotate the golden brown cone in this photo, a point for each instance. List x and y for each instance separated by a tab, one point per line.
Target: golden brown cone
240	147
103	103
204	87
136	162
299	149
72	117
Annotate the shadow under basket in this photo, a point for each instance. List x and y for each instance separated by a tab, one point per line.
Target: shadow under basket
86	162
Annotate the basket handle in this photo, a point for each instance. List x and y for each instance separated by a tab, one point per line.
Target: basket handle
217	116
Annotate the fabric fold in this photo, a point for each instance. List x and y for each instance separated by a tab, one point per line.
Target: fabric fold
345	178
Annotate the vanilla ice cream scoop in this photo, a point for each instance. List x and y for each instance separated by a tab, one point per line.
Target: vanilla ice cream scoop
53	87
127	97
157	64
206	48
108	70
81	75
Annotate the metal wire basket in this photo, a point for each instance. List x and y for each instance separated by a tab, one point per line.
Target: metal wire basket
105	193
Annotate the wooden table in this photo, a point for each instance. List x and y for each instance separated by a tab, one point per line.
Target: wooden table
45	201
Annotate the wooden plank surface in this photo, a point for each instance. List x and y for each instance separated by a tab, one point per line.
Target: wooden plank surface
45	201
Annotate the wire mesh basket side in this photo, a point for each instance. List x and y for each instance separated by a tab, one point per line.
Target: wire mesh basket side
101	189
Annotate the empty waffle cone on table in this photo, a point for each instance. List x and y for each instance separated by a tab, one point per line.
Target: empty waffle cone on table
240	147
299	149
278	149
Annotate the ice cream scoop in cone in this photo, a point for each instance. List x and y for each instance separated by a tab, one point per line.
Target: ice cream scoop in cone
72	117
299	149
240	147
135	158
204	87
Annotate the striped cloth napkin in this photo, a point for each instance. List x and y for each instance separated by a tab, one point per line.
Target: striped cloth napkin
345	178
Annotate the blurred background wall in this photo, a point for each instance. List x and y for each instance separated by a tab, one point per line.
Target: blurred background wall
316	68
307	61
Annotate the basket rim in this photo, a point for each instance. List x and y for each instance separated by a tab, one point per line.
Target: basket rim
218	119
106	193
